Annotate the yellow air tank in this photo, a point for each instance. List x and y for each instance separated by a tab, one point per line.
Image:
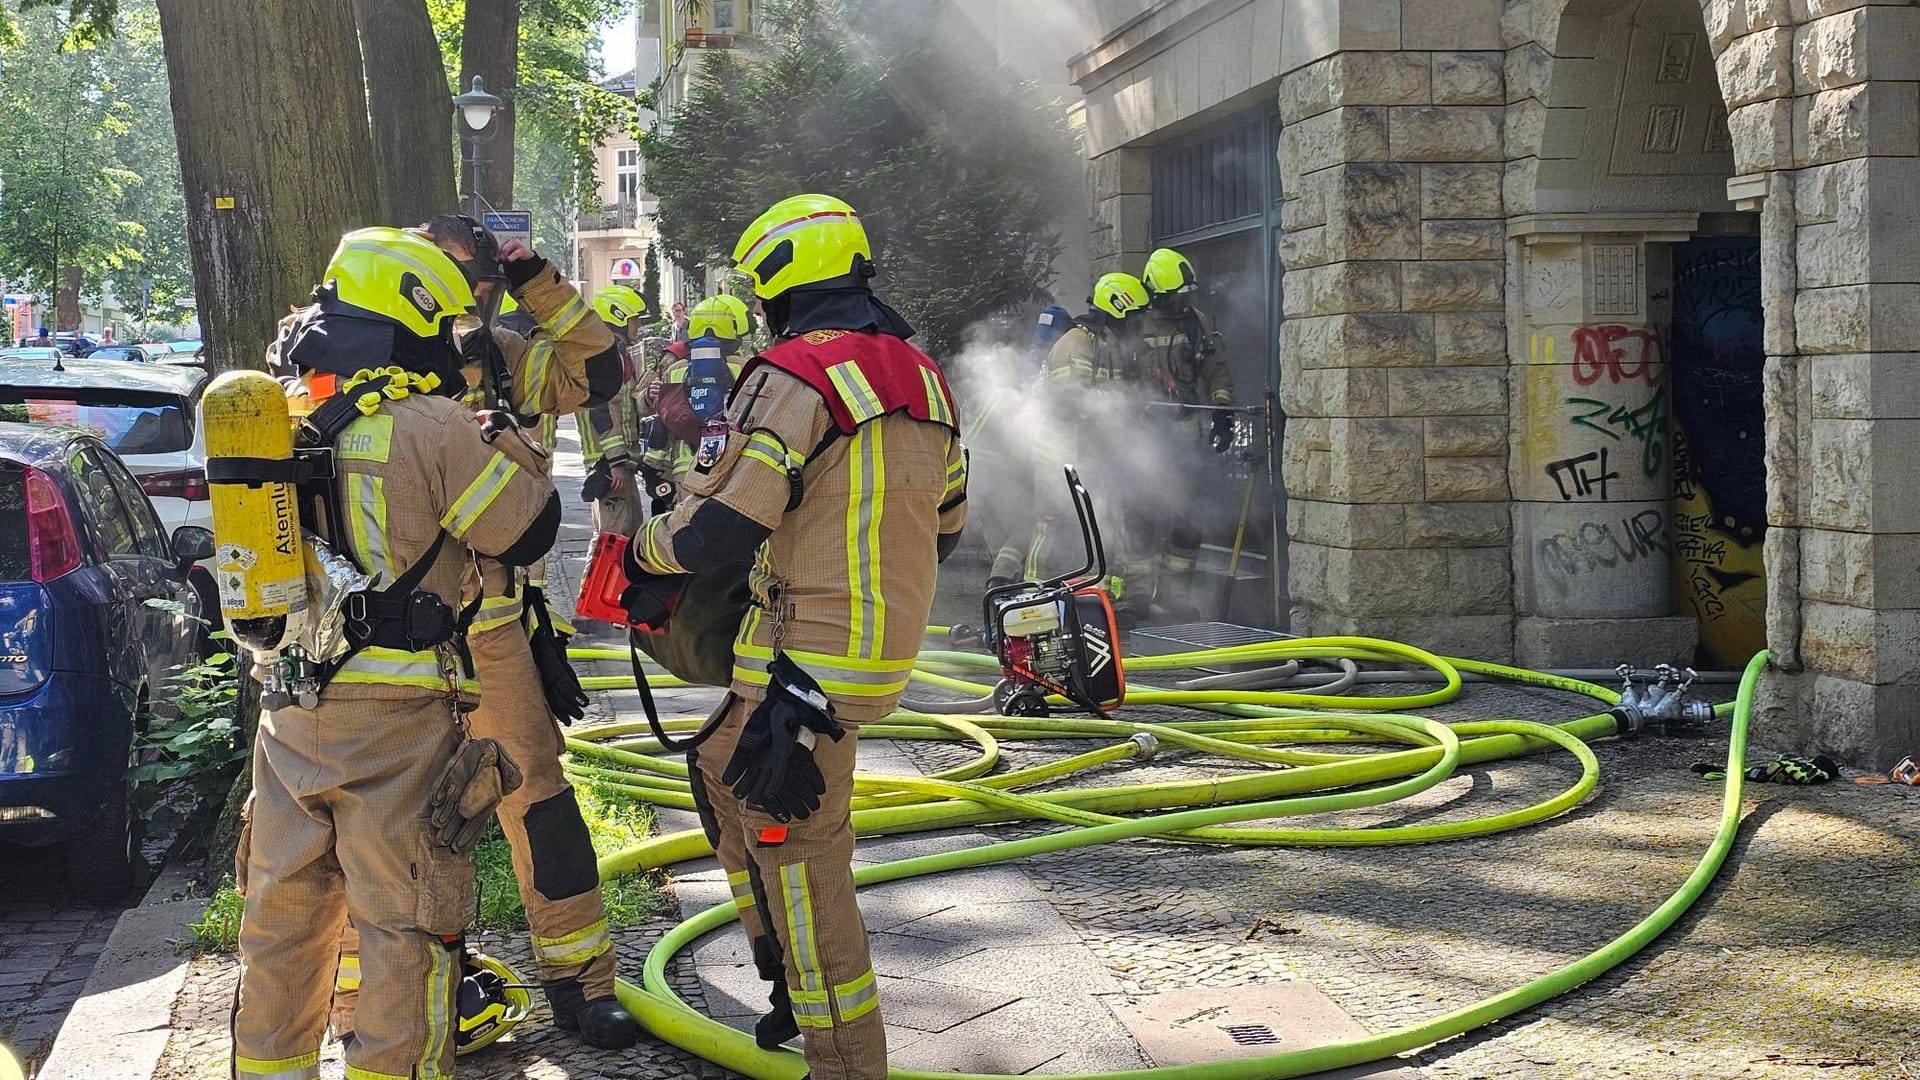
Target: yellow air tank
256	517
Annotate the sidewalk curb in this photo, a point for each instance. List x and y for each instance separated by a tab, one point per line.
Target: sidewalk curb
123	1019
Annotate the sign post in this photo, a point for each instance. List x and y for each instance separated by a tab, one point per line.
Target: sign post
510	225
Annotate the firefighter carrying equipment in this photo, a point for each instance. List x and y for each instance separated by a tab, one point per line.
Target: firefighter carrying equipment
492	999
772	768
473	783
1118	293
1167	273
720	316
617	305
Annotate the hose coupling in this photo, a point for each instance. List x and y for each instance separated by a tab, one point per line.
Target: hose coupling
1145	745
1627	719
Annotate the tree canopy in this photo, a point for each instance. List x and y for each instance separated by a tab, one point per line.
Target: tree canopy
90	173
956	172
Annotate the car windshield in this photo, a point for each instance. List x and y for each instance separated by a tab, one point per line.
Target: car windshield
128	421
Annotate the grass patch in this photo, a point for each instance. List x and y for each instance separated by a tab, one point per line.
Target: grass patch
613	823
218	928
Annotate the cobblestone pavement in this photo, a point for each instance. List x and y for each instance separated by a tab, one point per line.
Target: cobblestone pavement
1795	964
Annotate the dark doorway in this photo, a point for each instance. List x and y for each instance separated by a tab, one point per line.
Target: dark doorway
1720	482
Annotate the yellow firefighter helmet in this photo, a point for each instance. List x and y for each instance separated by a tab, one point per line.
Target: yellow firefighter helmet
1168	271
396	276
801	240
618	304
722	316
493	998
1117	293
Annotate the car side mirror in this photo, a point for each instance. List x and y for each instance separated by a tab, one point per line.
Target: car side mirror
191	543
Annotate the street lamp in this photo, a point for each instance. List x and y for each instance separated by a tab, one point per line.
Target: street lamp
476	108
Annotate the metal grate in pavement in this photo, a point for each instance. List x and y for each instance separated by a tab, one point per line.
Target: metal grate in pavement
1401	957
1252	1034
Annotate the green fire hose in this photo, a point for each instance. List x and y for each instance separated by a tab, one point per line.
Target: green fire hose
1277	728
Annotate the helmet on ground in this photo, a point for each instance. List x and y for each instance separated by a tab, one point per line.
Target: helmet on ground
799	241
395	276
618	304
722	316
493	998
1117	293
1168	271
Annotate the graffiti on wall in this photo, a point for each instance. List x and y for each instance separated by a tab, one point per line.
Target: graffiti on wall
1719	474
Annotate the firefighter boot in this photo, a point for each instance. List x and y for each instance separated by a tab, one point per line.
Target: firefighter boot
602	1023
778	1026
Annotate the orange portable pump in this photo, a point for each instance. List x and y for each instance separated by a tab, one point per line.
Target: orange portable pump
1058	636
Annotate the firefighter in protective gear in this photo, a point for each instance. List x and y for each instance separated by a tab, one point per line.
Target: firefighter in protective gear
691	391
997	438
553	857
1181	362
839	471
1090	378
608	441
341	816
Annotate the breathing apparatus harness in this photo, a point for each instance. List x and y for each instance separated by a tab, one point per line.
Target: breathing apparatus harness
402	615
478	347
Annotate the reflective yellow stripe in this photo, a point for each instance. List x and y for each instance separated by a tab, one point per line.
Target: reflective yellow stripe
379	666
367	521
568	316
806	952
1040	530
770	450
479	495
576	948
304	1067
866	498
857	998
956	476
496	611
386	251
655	556
539	359
936	400
855	391
589	440
846	676
347	977
440	990
742	885
354	1073
810	1008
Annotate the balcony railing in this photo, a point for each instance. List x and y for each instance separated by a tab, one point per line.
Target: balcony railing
621	215
698	37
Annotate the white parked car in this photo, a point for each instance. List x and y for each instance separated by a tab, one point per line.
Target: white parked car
145	413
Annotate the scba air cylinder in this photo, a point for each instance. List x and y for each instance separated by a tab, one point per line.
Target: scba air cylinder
256	514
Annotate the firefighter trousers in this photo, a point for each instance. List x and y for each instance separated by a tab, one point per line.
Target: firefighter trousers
339	826
553	857
804	871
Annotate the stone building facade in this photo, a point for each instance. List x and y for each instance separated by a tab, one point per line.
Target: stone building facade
1597	322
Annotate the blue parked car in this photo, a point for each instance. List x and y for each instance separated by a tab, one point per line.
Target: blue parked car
84	655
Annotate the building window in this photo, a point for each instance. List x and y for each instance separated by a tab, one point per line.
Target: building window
722	14
626	175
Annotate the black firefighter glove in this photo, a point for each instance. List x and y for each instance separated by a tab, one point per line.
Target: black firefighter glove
472	784
649	598
1222	437
598	483
773	769
558	680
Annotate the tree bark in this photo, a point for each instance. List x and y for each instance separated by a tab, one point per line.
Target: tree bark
411	109
491	50
275	157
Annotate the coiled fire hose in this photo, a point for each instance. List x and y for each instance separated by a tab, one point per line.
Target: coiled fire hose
1275	727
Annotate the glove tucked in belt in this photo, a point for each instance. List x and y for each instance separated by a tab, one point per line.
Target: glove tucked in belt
772	769
472	784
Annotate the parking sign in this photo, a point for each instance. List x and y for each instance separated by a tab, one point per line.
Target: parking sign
510	225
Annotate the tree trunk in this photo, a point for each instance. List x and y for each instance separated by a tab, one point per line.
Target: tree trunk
491	50
411	108
275	157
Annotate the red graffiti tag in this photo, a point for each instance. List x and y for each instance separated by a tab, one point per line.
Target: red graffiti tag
1620	353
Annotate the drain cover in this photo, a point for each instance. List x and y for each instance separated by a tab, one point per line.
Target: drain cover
1252	1034
1401	957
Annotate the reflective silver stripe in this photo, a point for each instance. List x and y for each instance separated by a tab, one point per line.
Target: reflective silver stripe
367	522
825	673
742	885
806	953
870	496
575	948
823	217
568	316
852	384
936	401
857	998
539	358
440	991
810	1008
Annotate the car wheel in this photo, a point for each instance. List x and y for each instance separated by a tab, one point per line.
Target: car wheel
202	583
100	862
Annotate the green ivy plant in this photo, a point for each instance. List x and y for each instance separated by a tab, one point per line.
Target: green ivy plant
195	741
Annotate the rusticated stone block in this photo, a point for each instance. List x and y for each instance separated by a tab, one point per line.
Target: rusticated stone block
1460	524
1529	72
1725	20
1468	78
1858	318
1479	581
1376	460
1335	392
1460	191
1541	642
1762	135
1347	525
1447	391
1469	239
1873	42
1342	287
1757	67
1331	138
1453	285
1879	118
1358	340
1473	479
1444	133
1467	436
1474	337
